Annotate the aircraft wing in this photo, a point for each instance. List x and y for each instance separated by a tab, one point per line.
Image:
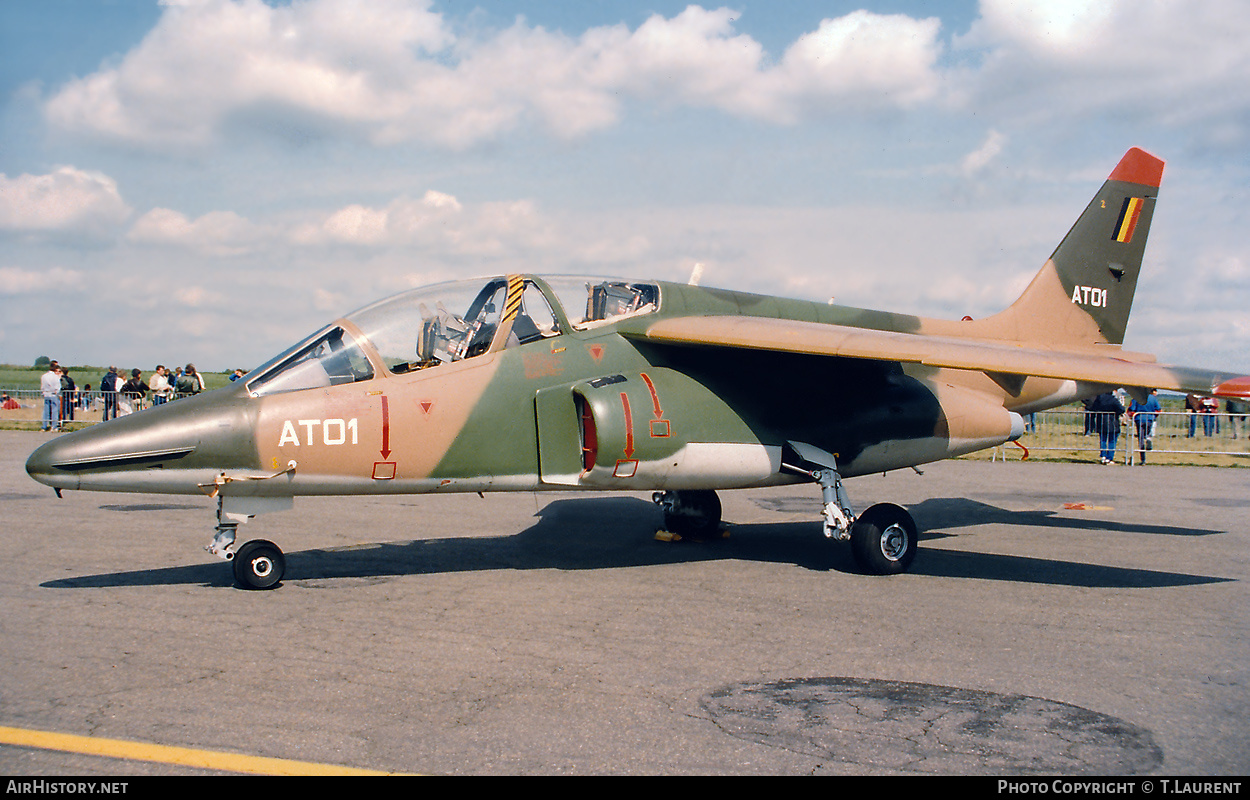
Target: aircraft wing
1001	360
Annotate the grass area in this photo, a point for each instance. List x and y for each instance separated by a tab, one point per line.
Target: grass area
1010	452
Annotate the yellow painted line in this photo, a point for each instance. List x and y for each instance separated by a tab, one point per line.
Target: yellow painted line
181	756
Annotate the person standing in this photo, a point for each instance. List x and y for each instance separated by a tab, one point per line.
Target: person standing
50	385
161	390
135	389
1236	415
1193	407
69	396
1107	411
1144	416
190	382
109	385
1210	419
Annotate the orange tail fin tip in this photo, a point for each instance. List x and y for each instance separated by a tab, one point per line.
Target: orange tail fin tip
1140	167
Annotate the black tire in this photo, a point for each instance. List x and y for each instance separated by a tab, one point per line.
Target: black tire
697	515
259	564
884	539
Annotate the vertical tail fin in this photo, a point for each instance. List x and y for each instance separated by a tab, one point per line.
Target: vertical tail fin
1083	294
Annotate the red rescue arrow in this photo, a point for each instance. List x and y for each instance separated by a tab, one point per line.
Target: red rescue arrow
386	428
629	427
655	398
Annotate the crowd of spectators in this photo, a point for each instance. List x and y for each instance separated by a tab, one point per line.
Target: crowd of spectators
115	396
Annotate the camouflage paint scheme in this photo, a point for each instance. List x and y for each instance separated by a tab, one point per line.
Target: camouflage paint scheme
683	388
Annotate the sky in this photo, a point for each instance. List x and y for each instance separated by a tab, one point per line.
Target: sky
209	181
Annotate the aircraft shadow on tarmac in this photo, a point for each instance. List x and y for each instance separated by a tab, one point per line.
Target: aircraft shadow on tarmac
619	532
960	512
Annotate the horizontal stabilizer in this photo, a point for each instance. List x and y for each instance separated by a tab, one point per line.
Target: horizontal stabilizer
1236	389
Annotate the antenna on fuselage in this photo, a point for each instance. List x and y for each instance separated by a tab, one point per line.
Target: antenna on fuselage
696	274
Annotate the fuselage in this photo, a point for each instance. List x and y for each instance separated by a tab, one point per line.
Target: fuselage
519	388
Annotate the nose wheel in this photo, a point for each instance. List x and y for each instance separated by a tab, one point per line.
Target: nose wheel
258	564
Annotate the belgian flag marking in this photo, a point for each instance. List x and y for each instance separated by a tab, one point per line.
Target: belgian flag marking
1127	222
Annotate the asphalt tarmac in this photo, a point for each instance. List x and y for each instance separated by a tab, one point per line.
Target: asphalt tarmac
1060	619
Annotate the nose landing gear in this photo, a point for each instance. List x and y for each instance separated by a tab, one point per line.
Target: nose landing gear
257	564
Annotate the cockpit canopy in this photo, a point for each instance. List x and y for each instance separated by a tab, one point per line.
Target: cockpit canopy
449	322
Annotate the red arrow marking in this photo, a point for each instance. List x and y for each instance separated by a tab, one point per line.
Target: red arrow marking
386	428
629	427
655	398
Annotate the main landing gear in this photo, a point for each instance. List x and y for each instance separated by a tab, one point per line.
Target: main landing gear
883	539
691	513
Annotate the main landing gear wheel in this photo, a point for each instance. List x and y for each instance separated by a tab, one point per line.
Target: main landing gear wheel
690	513
883	539
259	564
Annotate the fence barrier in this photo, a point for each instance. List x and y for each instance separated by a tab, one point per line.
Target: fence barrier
1171	433
1075	432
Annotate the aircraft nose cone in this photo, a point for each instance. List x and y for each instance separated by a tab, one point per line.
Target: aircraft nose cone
171	448
40	465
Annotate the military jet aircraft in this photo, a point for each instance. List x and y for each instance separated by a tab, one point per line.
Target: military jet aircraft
526	383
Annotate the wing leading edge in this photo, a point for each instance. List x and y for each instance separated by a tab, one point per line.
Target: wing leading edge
994	358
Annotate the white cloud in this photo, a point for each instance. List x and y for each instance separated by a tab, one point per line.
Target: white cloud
693	58
1055	28
206	61
436	225
1169	61
395	71
392	71
980	158
402	222
14	280
198	297
880	60
66	200
218	233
